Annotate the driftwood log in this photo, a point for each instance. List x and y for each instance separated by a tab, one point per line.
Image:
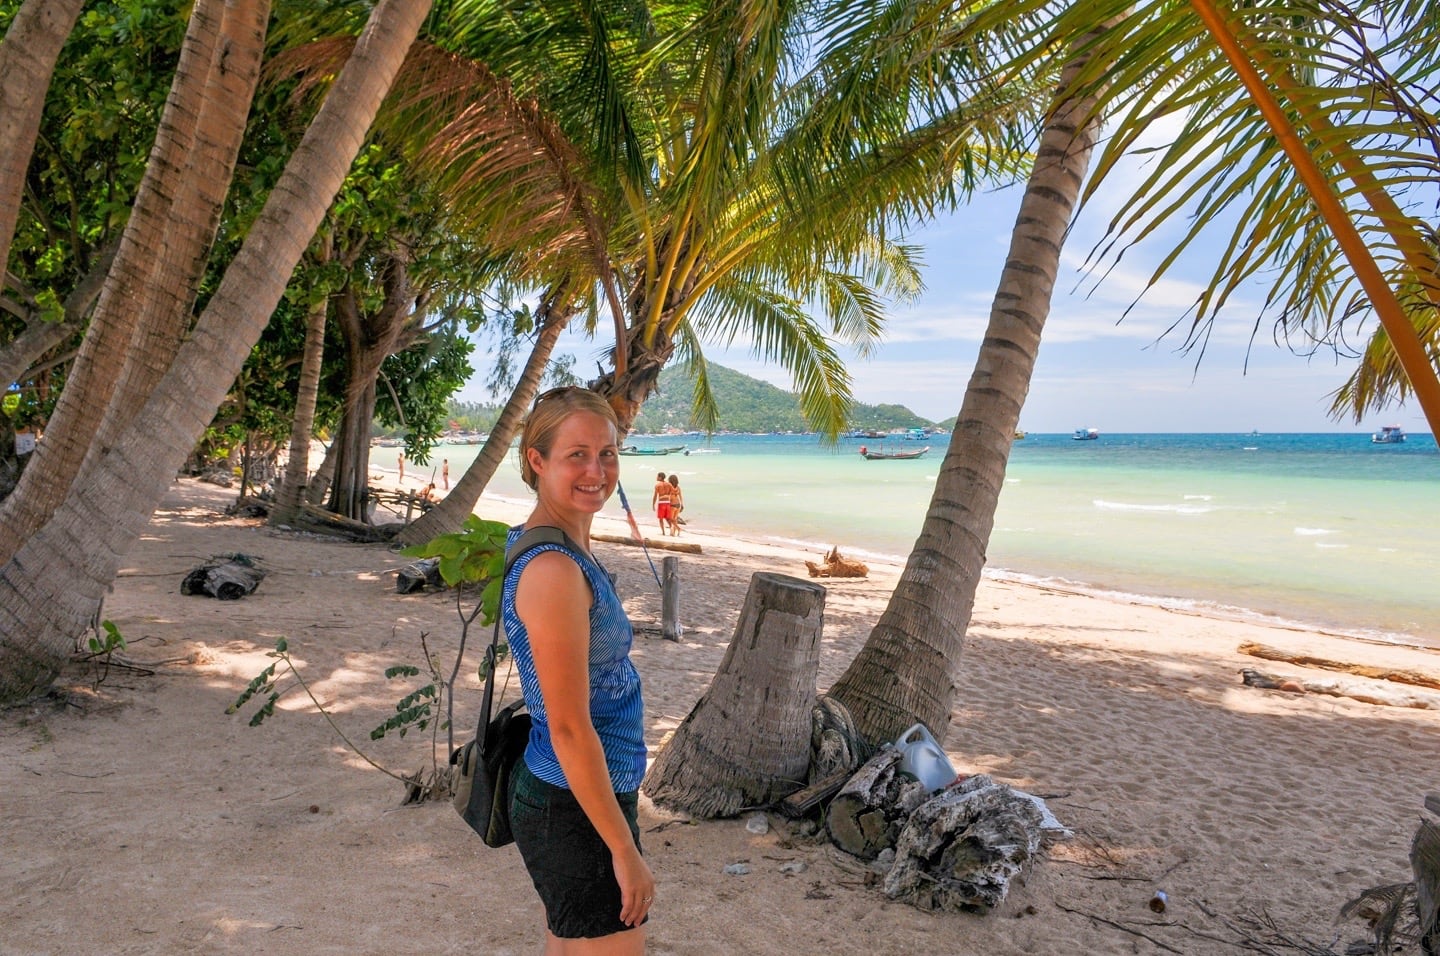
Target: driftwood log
961	848
870	810
226	578
321	521
1361	689
746	742
836	566
1398	676
685	548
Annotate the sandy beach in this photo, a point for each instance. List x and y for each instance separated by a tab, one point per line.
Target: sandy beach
140	818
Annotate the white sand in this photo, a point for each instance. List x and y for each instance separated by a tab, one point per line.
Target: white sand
140	818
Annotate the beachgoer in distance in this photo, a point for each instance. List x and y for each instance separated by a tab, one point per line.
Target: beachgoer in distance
445	473
660	501
429	494
573	804
677	504
400	464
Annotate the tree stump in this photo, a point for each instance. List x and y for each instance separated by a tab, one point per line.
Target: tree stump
961	848
746	743
869	812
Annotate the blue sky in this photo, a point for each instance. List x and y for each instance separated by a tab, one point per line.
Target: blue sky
1094	370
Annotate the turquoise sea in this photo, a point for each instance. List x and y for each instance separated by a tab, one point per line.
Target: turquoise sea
1325	530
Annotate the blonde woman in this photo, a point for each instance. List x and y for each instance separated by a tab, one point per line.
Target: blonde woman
573	803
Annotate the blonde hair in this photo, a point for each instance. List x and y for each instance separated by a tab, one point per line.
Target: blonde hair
551	410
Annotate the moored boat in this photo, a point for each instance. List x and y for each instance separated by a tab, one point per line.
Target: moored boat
1086	434
633	450
1388	435
881	455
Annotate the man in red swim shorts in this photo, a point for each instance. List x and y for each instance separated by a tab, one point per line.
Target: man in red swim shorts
660	501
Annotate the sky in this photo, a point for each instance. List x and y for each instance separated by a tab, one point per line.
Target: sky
1095	368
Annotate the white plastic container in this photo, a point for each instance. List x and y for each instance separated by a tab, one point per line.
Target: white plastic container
922	757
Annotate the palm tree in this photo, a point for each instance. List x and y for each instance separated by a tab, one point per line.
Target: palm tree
1225	152
152	285
27	59
56	581
690	152
909	665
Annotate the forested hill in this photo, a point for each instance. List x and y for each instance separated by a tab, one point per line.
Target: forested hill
749	405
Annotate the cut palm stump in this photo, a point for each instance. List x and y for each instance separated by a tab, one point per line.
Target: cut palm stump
746	743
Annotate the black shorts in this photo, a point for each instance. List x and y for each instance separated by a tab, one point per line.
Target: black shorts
568	862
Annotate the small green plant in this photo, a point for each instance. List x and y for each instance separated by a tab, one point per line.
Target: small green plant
103	647
475	555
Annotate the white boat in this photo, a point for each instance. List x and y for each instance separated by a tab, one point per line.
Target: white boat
1388	435
1086	434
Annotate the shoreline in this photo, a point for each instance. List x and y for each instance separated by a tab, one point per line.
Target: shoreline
516	509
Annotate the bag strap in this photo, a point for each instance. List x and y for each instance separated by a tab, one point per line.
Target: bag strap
529	540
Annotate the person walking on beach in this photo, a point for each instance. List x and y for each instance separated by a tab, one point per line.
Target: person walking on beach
677	504
400	465
445	473
660	501
573	806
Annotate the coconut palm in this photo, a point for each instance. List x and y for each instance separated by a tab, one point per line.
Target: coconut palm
703	175
28	53
1159	61
56	581
152	285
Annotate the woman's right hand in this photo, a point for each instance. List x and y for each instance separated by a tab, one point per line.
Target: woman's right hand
637	886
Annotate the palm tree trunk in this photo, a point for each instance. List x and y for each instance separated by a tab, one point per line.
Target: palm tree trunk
455	507
27	61
297	467
320	482
144	308
907	670
56	581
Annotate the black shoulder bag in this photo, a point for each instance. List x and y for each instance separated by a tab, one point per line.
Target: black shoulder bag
484	766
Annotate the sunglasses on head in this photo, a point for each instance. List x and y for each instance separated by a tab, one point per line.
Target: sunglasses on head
556	392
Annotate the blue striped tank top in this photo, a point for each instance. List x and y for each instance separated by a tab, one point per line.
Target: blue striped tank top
616	708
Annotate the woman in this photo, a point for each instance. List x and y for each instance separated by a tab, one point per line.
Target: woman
573	804
677	504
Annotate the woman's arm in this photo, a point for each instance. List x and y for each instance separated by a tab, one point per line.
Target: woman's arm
553	600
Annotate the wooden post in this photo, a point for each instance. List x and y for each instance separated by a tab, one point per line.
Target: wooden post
670	598
409	505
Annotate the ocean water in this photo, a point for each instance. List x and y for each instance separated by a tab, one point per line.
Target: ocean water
1324	530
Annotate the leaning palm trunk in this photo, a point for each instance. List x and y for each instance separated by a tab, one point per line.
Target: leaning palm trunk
455	507
297	466
907	670
147	298
27	61
56	581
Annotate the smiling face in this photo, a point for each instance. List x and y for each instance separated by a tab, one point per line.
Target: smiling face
582	466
